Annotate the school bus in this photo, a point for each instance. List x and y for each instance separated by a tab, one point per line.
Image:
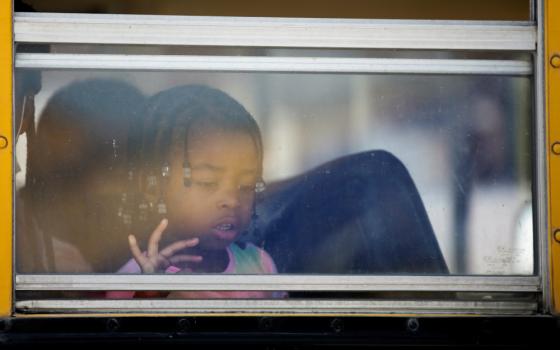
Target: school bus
410	149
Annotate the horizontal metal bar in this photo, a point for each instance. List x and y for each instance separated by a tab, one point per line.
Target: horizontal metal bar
273	32
286	306
277	282
271	64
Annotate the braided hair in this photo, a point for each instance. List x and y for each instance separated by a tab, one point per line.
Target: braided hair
170	116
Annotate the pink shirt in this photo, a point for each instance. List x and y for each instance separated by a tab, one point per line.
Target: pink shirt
248	260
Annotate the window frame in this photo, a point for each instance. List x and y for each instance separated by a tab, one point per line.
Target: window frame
297	33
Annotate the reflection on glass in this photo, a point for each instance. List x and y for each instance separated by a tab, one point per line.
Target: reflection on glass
368	174
76	161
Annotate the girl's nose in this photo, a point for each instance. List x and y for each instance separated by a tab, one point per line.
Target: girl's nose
229	198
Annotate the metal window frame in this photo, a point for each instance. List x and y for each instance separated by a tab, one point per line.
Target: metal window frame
272	64
274	32
292	33
449	283
541	173
279	307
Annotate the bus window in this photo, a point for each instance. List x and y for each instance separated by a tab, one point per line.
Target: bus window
249	169
460	144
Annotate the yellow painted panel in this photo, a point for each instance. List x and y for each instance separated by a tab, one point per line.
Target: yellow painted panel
6	158
553	112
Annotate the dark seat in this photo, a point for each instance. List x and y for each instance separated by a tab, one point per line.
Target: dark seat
360	214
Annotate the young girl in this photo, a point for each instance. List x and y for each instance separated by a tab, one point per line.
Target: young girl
201	170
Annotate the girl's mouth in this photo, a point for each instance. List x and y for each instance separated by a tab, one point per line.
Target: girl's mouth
225	231
224	227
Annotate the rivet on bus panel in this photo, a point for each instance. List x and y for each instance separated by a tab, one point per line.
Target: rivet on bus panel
556	235
3	142
555	61
556	148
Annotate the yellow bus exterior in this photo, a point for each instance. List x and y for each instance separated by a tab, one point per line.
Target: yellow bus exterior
6	195
552	39
552	91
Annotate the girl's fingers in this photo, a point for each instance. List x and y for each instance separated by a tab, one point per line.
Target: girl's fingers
155	238
177	246
138	256
162	262
185	258
155	259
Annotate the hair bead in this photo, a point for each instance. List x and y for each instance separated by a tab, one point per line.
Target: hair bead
165	170
260	186
151	180
161	207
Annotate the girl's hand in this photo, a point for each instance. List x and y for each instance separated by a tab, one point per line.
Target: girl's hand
158	261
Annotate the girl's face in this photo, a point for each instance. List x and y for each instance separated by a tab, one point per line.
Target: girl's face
218	204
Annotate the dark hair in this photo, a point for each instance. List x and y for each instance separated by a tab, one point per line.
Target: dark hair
84	114
174	112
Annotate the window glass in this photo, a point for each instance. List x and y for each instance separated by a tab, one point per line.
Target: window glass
356	173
